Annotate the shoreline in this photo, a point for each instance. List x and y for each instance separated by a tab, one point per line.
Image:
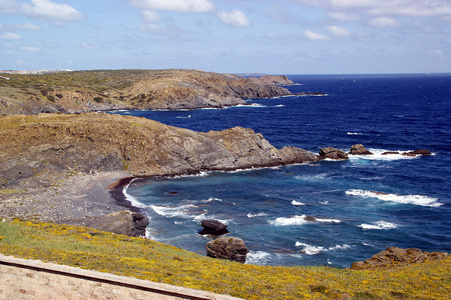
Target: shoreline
116	191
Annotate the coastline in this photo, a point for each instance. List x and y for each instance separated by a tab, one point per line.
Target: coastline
116	191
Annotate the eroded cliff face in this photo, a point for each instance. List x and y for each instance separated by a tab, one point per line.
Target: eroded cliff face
87	91
34	146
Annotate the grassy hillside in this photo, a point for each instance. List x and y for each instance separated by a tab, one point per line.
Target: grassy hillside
144	259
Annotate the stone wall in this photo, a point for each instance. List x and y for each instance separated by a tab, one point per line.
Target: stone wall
30	279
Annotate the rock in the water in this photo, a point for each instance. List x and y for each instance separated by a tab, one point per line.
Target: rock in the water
332	153
417	152
359	149
213	227
390	152
394	256
227	247
424	152
309	218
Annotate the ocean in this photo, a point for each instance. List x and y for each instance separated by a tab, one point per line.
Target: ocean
361	205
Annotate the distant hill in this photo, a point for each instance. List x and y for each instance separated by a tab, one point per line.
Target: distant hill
86	91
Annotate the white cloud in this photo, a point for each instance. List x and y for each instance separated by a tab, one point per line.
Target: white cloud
337	31
157	29
150	16
383	22
48	10
280	14
88	46
9	7
41	10
29	48
342	16
411	8
27	26
315	36
234	18
437	53
271	35
10	36
175	5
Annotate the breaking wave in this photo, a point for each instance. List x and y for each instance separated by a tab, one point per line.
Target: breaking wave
404	199
379	225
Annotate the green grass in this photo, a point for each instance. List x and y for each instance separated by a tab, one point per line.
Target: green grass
145	259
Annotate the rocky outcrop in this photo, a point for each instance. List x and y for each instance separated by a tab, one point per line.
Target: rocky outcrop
359	149
123	222
272	80
227	247
394	257
417	152
332	153
213	227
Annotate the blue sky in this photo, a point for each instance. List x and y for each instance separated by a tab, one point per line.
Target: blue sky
232	36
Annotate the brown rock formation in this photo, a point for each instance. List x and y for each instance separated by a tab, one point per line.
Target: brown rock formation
332	153
213	227
394	257
359	149
227	247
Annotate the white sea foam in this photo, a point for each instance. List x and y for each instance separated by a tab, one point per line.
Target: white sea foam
309	249
251	105
130	198
300	220
404	199
257	257
328	220
377	155
295	220
294	202
339	247
354	133
211	199
379	225
184	211
312	250
311	178
249	215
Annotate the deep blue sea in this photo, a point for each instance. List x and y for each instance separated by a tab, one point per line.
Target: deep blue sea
267	207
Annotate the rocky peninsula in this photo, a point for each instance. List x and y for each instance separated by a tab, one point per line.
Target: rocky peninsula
88	91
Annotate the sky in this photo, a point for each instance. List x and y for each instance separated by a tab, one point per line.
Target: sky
228	36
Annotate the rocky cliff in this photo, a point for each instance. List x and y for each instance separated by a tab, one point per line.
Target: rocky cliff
33	146
87	91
